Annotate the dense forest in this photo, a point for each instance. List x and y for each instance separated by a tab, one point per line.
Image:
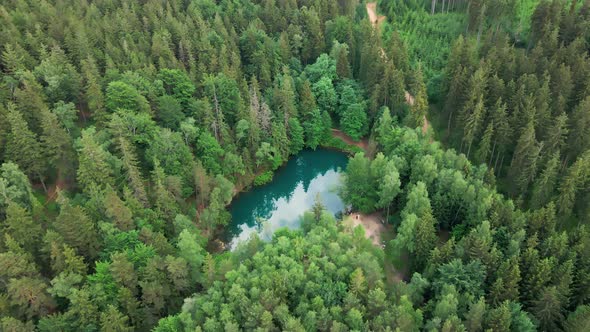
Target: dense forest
127	128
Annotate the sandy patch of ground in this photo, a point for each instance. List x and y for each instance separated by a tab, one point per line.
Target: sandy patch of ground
375	228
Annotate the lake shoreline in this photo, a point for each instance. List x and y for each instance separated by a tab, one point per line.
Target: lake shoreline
336	143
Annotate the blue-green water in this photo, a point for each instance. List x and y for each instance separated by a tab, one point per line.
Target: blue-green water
293	190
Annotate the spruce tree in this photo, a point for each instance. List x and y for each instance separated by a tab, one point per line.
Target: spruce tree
77	229
544	186
579	138
131	167
523	167
22	146
473	123
419	109
485	145
57	143
21	226
94	168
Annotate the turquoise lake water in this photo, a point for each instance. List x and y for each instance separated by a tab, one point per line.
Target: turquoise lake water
282	202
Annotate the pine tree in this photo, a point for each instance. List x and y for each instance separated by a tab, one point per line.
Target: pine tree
164	201
579	138
576	176
544	186
116	210
425	241
94	168
30	100
523	167
340	53
499	319
548	309
29	296
543	112
123	271
130	165
473	122
536	274
307	103
392	88
77	230
22	146
284	96
20	225
475	316
313	42
419	109
112	320
93	91
383	127
579	320
296	136
13	59
503	134
57	143
485	145
456	95
556	136
255	116
475	90
509	271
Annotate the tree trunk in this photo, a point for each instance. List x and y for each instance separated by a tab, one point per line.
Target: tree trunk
492	154
481	22
468	20
433	7
42	182
215	123
449	125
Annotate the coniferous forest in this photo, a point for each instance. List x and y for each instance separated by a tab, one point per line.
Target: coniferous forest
128	127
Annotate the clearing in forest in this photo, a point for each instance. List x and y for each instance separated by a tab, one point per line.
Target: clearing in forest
375	227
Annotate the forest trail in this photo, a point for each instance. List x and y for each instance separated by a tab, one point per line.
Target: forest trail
372	12
376	21
363	143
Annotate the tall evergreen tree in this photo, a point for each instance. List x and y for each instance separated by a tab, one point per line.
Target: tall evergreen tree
94	169
544	186
523	167
22	146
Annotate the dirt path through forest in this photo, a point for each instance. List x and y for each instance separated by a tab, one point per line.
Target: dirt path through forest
363	143
372	12
376	21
